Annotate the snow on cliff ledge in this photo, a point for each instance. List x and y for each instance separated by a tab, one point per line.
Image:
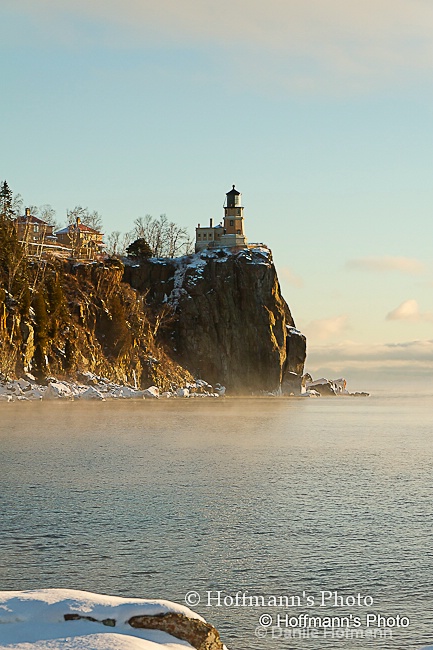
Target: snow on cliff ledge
35	620
194	264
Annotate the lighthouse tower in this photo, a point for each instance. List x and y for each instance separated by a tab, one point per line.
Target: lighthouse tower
229	234
234	213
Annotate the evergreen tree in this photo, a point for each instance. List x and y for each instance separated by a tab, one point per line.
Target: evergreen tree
6	202
139	249
13	261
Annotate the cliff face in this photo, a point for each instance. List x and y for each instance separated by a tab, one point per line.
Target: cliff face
84	318
231	324
216	315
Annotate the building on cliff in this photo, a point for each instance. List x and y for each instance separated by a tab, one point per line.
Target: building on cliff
230	233
76	240
35	234
32	229
84	242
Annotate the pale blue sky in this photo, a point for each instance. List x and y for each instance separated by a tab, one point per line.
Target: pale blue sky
320	111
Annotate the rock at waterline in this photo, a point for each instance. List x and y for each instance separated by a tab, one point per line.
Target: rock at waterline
98	389
328	387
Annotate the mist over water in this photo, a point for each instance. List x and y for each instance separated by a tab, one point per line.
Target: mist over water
265	496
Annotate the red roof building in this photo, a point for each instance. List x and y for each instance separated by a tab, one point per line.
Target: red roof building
84	242
32	230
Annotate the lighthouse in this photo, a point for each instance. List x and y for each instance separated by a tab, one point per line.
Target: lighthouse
234	213
230	233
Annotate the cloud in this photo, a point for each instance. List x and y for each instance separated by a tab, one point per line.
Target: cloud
409	310
412	357
326	328
407	265
290	277
302	43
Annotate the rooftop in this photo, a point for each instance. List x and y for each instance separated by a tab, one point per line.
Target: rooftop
232	192
74	226
29	218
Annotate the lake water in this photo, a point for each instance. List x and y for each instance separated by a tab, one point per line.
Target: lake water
269	496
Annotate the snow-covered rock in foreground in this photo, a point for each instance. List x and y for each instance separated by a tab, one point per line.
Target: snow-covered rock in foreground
66	619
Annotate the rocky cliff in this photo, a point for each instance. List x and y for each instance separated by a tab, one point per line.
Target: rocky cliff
67	319
228	321
216	315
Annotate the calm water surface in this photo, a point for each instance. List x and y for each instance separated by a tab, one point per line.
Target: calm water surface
273	497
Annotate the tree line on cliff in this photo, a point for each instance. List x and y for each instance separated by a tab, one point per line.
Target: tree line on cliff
165	238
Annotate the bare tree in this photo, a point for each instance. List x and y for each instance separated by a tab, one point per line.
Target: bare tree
148	229
48	214
91	219
112	245
165	238
74	240
117	243
17	204
164	317
45	212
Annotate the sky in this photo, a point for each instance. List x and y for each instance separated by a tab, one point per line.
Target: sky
320	111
